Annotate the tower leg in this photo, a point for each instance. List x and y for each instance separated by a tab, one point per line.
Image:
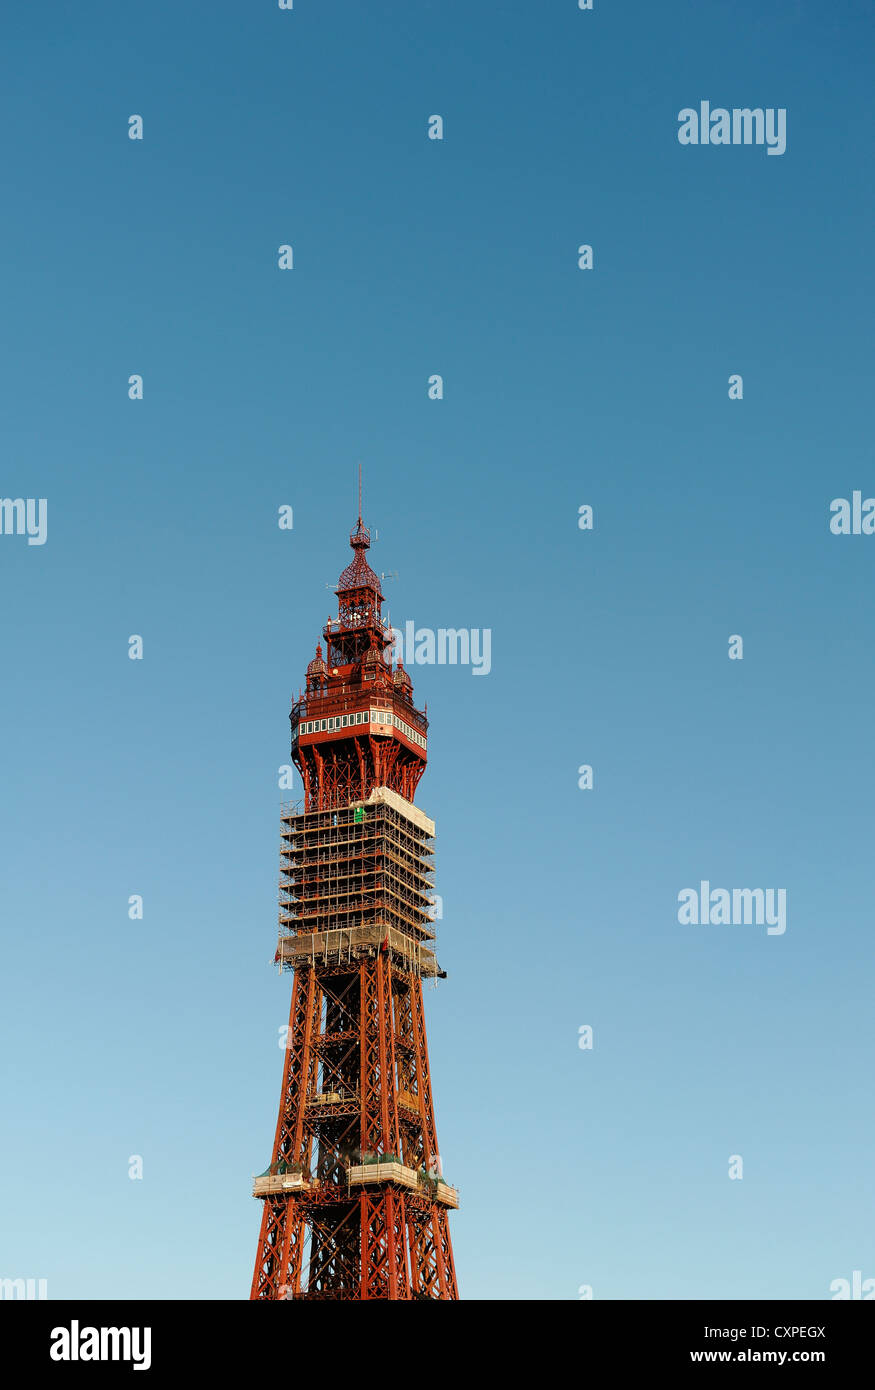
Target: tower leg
384	1257
280	1247
280	1241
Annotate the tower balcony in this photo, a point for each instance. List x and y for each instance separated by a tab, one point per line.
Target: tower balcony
373	621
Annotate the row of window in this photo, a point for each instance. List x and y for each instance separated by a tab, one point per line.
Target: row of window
374	716
406	729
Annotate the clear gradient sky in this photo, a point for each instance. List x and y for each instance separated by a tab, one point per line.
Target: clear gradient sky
563	387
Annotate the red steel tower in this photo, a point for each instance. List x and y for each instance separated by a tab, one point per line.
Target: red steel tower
355	1204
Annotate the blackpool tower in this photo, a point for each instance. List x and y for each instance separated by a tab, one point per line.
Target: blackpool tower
355	1202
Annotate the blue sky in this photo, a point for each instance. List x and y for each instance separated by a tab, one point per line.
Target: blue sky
562	387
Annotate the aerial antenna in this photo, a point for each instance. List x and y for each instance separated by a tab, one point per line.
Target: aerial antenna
375	535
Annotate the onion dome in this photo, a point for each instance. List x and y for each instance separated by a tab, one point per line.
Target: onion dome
401	680
358	574
318	667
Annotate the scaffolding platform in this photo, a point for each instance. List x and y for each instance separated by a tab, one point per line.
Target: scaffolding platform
391	1171
364	1174
335	947
272	1183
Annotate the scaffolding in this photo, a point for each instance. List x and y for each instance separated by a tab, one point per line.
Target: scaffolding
356	880
383	1171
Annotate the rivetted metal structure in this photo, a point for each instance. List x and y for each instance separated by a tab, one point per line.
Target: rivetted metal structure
355	1203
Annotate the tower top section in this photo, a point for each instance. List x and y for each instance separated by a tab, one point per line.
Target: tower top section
355	726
